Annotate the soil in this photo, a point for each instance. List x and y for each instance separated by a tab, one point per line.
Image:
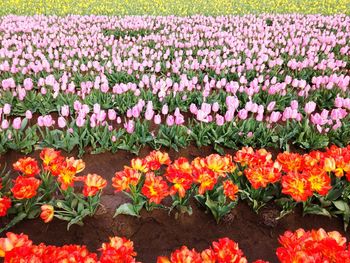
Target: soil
158	233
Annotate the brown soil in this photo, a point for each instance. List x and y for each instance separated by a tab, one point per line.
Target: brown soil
158	233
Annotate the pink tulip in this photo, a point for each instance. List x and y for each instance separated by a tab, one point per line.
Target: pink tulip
7	109
243	114
28	84
215	107
229	115
271	105
16	124
80	121
65	110
112	115
294	104
275	116
170	120
165	109
179	120
129	126
97	108
157	119
310	107
338	102
193	108
61	122
4	124
29	115
220	120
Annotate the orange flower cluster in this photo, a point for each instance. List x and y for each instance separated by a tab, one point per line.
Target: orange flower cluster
299	246
248	157
313	246
310	173
222	251
259	168
178	178
337	160
27	186
208	170
13	241
64	168
19	249
124	179
179	174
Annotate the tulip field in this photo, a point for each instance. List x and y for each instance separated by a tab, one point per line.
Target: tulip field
175	132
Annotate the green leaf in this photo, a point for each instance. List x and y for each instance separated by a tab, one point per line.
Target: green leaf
34	213
14	221
127	209
342	206
316	210
74	203
335	192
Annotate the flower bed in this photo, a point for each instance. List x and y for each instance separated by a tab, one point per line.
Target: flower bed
137	81
268	93
301	245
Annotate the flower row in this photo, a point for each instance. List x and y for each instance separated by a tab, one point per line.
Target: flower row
319	180
99	134
269	70
299	246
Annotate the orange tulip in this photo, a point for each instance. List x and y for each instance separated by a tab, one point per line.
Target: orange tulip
206	178
47	213
319	180
92	184
118	250
28	166
156	159
155	188
25	187
227	250
216	163
290	161
67	176
230	190
47	155
262	175
297	186
140	165
5	204
208	256
78	164
122	180
182	255
244	156
56	165
329	165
